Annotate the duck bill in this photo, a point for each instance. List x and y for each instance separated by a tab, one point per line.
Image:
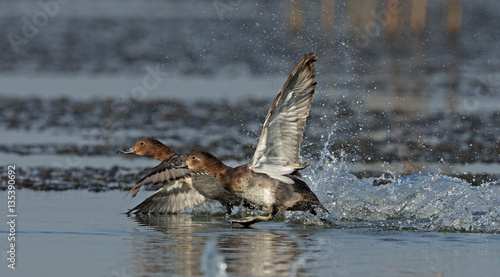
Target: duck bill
127	151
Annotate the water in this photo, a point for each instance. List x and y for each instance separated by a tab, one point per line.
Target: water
423	111
416	202
418	225
80	233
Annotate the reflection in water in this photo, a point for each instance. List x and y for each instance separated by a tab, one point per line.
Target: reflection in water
259	253
182	243
176	253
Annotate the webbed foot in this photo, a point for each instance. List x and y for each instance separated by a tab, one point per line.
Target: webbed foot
247	221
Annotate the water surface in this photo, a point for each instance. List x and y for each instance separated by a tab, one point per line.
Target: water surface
82	233
420	109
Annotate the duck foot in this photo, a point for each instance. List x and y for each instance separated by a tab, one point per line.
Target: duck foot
247	221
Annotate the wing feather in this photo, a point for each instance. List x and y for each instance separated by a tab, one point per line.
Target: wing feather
182	188
278	151
170	169
171	198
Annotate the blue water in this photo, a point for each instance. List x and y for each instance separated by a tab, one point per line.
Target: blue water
417	225
81	233
426	224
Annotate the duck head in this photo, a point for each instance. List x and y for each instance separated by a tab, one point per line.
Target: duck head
150	147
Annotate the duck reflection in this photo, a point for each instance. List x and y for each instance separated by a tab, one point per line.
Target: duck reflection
170	248
259	252
176	244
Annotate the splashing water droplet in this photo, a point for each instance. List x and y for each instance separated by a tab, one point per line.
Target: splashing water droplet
421	201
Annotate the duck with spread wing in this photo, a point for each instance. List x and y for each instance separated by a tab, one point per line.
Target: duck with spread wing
271	178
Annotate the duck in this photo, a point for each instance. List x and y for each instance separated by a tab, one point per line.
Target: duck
180	194
271	179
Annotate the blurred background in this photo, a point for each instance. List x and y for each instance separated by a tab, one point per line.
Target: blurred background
408	95
404	86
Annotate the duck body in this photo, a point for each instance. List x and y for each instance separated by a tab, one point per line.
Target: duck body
177	193
270	178
258	188
275	194
261	189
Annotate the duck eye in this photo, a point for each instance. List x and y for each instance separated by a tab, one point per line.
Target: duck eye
141	143
193	158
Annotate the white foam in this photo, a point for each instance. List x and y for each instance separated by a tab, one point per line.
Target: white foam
419	201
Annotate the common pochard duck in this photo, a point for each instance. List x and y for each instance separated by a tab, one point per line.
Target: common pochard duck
270	178
181	194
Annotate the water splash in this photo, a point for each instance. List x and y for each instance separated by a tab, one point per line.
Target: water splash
212	261
418	201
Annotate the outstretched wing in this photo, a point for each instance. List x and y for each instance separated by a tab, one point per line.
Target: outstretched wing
170	169
277	153
174	197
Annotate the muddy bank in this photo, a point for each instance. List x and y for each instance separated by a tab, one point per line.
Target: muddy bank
233	129
97	128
